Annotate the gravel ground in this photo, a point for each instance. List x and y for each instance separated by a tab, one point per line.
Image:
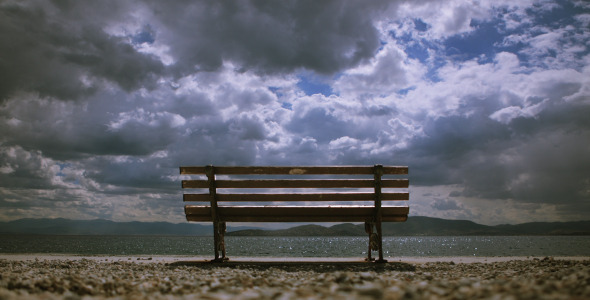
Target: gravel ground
546	278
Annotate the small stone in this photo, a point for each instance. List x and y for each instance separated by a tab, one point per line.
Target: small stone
371	291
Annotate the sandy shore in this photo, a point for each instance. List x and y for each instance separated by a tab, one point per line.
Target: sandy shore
175	277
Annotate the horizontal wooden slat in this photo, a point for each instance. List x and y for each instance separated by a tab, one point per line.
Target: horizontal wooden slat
192	170
296	197
295	183
395	196
296	213
293	170
198	213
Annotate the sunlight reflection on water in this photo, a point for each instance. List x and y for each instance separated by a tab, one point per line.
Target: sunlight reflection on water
300	246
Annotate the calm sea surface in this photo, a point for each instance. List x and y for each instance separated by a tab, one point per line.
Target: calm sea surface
300	246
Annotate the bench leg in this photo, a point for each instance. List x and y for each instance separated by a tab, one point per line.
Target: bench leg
369	231
215	240
219	241
380	243
222	229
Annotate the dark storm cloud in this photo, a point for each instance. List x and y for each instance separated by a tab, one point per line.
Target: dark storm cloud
320	124
449	142
70	130
529	160
62	48
101	101
445	204
63	51
25	169
270	36
553	163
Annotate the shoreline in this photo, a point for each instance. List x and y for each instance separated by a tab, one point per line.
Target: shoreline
28	276
176	258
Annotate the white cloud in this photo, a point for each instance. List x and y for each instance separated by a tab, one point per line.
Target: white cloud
147	119
388	72
449	17
344	142
99	126
508	62
446	204
584	19
507	114
6	169
13	122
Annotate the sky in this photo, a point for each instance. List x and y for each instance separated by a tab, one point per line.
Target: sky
487	102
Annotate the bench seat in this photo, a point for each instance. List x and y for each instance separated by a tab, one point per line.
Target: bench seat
199	213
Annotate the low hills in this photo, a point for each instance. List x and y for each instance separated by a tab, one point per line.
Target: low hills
415	226
426	226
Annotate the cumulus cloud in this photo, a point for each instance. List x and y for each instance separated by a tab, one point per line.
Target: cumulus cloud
446	19
100	102
51	50
478	141
269	36
390	71
445	204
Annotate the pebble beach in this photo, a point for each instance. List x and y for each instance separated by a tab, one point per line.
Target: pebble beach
167	278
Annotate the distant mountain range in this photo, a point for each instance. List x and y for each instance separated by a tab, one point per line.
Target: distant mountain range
415	226
426	226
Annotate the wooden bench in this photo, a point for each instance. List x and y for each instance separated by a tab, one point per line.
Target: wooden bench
320	191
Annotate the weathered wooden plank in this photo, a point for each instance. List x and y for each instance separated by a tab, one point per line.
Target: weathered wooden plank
394	218
297	170
395	170
296	213
198	213
297	183
195	197
395	196
207	218
316	197
200	170
293	170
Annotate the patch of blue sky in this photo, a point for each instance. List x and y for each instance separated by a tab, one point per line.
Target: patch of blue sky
418	47
477	44
278	92
60	173
146	35
421	50
415	46
275	90
405	91
417	50
559	17
311	85
287	105
420	25
61	167
432	73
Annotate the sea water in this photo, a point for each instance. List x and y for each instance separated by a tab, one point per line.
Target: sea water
299	246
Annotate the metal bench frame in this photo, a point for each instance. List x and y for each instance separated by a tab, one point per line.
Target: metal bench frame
373	215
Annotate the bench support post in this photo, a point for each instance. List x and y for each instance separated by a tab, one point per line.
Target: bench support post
377	173
218	227
373	245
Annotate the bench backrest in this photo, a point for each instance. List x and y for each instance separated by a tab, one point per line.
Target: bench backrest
332	186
